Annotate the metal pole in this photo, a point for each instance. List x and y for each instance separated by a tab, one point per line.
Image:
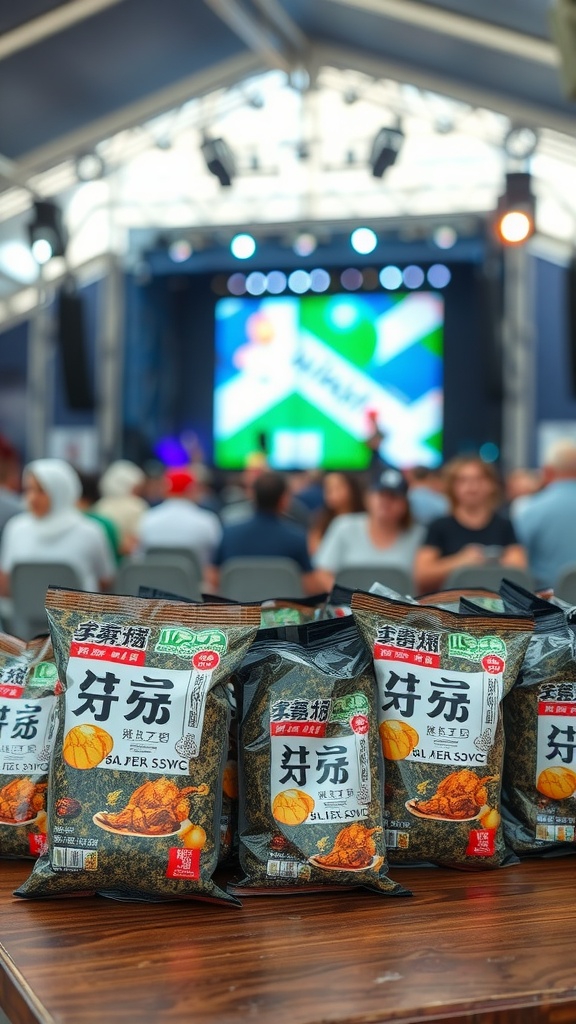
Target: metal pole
40	378
518	358
110	362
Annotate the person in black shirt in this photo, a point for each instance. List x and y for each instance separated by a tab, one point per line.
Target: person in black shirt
474	534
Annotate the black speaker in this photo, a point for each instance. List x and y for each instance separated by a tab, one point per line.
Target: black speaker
571	321
71	337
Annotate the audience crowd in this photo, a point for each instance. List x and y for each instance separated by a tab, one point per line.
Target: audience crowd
427	522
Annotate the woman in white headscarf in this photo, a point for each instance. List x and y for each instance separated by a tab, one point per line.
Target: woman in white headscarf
120	502
53	530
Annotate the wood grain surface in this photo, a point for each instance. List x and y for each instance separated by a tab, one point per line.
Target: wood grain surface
493	947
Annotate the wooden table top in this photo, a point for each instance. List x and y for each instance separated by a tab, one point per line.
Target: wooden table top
491	947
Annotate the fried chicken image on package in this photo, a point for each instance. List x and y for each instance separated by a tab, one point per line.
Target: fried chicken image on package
460	795
21	799
353	849
156	808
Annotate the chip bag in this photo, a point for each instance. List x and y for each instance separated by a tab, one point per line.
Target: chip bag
135	795
28	698
539	794
441	679
310	778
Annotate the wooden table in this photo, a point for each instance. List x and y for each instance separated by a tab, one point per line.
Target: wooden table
494	947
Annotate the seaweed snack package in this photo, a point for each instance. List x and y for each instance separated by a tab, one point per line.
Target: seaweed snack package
310	763
28	707
539	793
282	611
135	795
450	599
441	679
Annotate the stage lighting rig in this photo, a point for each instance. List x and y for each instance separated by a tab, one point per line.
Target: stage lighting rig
47	232
385	149
219	160
515	216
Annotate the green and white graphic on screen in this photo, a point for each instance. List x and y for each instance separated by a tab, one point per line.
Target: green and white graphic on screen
308	373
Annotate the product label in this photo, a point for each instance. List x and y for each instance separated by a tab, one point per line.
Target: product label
185	643
144	719
452	715
183	863
13	680
26	735
315	777
556	762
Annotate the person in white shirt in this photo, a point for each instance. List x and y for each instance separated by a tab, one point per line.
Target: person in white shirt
54	530
178	522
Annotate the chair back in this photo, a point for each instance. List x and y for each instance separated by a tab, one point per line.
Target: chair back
29	582
187	555
488	576
174	575
258	579
566	585
361	577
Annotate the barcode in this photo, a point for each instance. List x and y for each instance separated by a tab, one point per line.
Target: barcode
283	868
65	858
395	839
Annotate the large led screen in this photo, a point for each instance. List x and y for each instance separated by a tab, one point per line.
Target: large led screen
305	377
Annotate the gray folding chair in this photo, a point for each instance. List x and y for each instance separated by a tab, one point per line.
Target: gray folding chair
29	582
258	579
187	555
566	585
174	575
487	576
361	577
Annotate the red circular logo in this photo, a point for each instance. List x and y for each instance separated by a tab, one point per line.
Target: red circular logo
360	724
493	664
206	661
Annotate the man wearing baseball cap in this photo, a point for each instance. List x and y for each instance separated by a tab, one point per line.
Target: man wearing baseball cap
178	522
382	536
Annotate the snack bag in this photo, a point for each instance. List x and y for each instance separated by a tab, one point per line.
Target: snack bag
310	793
135	796
28	698
539	793
441	679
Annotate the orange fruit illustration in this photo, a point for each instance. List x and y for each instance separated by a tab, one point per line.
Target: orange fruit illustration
398	739
85	746
557	783
292	806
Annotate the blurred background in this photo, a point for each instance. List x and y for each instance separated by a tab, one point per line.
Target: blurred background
233	227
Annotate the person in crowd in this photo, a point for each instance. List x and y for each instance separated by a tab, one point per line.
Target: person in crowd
267	533
178	522
545	522
343	495
54	530
121	501
474	533
10	500
86	503
383	535
426	494
520	485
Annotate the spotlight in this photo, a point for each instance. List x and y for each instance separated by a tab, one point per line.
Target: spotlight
46	232
219	160
243	246
89	167
520	142
514	222
364	240
385	150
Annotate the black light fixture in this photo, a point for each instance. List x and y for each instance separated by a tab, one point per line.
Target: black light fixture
515	218
219	160
47	232
385	149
